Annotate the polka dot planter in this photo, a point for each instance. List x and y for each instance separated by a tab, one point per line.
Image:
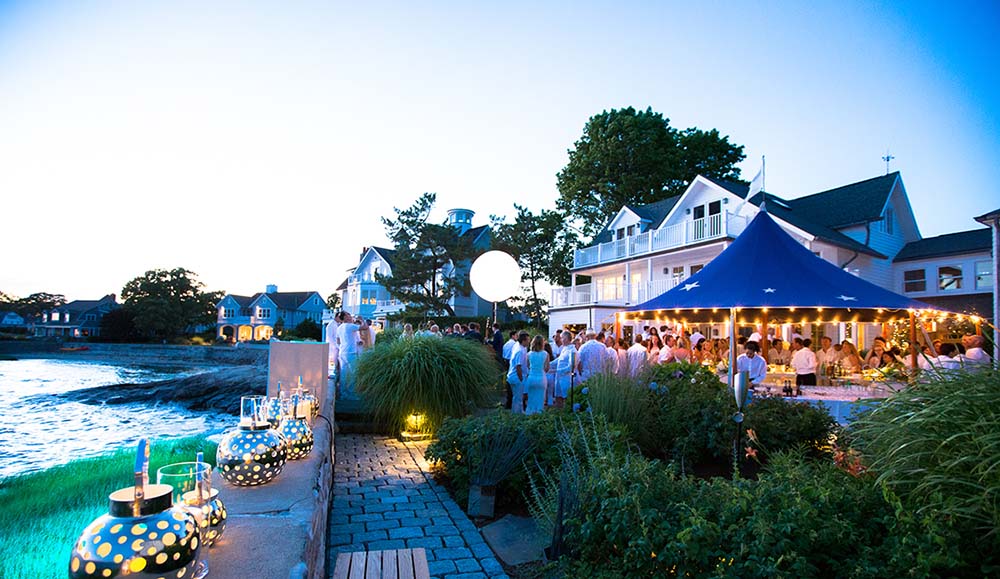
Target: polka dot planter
251	455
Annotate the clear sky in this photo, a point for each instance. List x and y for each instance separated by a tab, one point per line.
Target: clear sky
260	143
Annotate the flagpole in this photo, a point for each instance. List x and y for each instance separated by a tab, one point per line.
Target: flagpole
763	174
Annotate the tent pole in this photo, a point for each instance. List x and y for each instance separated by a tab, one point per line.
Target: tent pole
763	338
913	340
732	346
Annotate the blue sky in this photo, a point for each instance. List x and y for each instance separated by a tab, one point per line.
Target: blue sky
260	143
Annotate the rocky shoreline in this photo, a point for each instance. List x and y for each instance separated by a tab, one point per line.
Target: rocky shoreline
216	390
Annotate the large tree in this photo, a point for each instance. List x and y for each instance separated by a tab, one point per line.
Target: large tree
165	303
333	301
424	273
32	306
539	244
630	156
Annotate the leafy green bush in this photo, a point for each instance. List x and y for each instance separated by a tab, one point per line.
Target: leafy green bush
780	425
388	335
456	438
437	378
935	448
621	401
800	519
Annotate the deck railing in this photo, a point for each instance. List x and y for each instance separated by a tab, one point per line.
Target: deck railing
611	294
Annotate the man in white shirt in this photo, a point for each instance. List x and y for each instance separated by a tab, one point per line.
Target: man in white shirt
696	337
667	351
349	344
612	361
826	356
645	333
331	338
508	347
518	372
974	353
752	363
637	357
593	356
804	362
755	336
778	354
556	344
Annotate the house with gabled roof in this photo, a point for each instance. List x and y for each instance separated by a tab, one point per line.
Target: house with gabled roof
867	228
362	295
245	318
76	319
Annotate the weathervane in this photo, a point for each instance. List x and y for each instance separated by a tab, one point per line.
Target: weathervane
887	158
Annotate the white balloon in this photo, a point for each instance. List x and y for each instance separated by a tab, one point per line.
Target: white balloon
495	276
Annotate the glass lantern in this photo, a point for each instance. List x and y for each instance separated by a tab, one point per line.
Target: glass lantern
295	428
273	409
254	453
143	535
192	484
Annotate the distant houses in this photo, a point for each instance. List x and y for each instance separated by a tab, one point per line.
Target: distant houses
10	319
361	295
76	319
247	318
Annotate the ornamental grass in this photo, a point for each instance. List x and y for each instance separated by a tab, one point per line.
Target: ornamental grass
434	377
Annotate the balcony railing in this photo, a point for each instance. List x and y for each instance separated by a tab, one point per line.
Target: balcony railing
389	306
696	231
611	294
355	279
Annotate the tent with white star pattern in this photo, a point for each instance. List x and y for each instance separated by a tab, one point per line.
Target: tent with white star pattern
765	267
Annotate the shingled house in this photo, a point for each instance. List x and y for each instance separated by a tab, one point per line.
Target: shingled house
244	318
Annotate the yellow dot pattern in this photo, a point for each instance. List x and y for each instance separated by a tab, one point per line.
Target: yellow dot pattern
249	458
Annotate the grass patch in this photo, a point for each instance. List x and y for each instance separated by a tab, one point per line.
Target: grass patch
44	512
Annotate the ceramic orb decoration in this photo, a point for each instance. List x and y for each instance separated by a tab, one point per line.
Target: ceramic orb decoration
213	519
251	455
161	541
298	435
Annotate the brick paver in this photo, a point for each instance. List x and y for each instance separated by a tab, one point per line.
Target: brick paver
385	498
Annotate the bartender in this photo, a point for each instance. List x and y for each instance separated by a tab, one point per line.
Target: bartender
751	362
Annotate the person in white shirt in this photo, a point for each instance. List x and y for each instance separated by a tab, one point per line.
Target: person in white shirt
593	356
947	359
778	354
696	337
755	336
612	362
331	338
508	347
974	353
752	363
567	366
518	372
667	351
826	356
804	362
637	357
556	344
349	344
645	333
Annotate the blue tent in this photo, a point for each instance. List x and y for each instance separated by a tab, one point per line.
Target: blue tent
767	268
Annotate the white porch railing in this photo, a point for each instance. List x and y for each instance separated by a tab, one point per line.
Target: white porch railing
611	294
717	226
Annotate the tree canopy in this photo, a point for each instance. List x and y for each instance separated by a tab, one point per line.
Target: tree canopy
165	303
424	275
541	245
333	301
629	156
33	305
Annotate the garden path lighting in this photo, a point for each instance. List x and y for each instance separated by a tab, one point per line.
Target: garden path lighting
143	535
254	453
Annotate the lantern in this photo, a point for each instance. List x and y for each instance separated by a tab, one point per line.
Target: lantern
142	536
253	454
213	511
295	429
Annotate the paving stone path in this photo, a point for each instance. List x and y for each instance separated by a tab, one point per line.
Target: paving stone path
384	498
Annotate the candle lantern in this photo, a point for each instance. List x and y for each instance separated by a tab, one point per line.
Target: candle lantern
254	453
142	536
295	429
274	408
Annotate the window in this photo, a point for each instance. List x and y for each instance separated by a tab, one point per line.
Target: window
66	317
678	274
715	208
696	268
264	313
621	233
949	278
631	230
90	317
887	222
699	212
984	275
228	313
245	312
914	280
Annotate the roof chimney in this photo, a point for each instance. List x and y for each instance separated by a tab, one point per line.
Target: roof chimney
460	219
271	288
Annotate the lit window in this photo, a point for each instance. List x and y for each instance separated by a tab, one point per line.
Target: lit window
914	280
949	278
984	275
678	274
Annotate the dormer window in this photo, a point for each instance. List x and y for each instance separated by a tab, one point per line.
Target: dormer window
887	222
621	233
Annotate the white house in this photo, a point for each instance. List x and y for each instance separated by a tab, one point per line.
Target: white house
867	228
362	295
244	318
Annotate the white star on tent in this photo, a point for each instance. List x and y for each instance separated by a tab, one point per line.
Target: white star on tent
690	286
769	290
847	298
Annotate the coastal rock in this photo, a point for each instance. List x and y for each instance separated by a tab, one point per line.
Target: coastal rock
217	390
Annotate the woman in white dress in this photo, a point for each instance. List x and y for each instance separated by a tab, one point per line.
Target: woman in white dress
538	365
566	368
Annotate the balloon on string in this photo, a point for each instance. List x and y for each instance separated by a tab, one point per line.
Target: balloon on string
495	276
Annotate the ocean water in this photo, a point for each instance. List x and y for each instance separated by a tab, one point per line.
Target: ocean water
38	430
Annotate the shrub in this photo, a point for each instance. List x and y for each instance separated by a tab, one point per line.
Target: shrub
782	425
935	448
621	401
388	335
435	377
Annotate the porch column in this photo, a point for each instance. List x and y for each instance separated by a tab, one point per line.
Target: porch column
572	289
627	286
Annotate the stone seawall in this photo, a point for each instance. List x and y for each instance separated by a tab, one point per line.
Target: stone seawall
145	354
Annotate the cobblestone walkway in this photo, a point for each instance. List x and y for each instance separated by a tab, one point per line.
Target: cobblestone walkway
383	499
